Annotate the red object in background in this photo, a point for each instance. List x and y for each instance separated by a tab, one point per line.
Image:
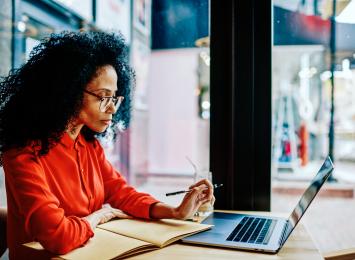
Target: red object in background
303	144
287	147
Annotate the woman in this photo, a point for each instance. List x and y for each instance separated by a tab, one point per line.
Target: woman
59	184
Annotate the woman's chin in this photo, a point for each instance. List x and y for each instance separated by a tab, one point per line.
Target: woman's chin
100	129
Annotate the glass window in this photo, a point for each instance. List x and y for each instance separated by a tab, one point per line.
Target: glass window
114	15
82	7
303	60
171	112
313	71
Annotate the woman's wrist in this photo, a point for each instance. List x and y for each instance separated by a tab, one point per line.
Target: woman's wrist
161	210
93	220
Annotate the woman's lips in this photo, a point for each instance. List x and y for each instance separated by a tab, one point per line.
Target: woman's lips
106	122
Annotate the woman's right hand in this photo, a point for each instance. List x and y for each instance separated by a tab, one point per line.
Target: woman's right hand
104	214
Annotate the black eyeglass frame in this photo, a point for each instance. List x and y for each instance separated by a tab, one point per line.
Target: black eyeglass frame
117	101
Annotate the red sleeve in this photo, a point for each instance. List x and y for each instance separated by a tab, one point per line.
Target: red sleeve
44	220
119	194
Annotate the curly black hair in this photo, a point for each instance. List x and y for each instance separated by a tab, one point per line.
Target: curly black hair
38	100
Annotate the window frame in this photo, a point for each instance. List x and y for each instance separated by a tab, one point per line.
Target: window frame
240	139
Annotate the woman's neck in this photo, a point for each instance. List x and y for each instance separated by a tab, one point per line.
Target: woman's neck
74	130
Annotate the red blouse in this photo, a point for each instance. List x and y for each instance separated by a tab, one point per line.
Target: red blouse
47	196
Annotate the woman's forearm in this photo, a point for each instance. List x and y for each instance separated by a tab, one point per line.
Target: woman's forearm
160	210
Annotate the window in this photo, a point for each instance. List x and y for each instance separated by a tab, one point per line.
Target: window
170	120
313	55
307	51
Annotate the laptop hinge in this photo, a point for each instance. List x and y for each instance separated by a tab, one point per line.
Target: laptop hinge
285	233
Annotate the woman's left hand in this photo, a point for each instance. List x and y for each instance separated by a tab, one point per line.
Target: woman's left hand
201	192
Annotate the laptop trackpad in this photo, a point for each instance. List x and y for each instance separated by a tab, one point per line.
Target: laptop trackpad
223	223
241	228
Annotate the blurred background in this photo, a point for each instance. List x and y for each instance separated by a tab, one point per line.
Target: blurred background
313	90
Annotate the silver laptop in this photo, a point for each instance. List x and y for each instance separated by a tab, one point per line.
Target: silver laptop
258	233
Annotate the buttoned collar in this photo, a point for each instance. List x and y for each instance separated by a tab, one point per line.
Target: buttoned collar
67	141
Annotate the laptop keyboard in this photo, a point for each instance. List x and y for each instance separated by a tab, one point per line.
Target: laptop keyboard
252	230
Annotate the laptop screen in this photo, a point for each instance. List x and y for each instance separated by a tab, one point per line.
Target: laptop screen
311	192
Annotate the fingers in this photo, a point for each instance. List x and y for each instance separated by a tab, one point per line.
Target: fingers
106	217
120	214
213	200
193	201
197	194
201	197
106	205
205	182
193	193
107	213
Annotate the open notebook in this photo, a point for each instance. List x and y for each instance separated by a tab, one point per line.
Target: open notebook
125	237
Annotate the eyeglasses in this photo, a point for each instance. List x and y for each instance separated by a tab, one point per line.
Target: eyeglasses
106	101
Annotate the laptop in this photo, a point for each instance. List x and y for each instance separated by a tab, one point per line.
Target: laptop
254	232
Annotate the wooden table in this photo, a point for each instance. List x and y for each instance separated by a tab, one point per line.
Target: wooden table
298	246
